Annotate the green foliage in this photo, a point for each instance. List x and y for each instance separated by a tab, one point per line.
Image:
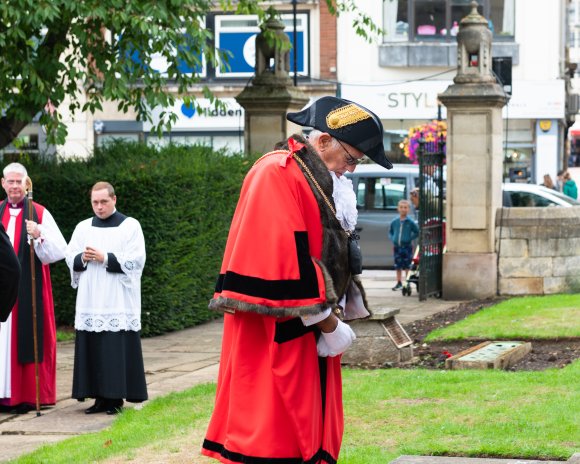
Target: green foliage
524	318
184	198
87	52
65	50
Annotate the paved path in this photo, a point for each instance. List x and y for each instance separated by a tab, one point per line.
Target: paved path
448	460
174	362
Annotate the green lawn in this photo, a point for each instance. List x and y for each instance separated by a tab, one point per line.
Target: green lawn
534	317
395	411
465	413
388	413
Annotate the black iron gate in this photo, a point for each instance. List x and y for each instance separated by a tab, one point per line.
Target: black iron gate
431	216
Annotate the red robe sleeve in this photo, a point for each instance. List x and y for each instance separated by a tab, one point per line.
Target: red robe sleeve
270	263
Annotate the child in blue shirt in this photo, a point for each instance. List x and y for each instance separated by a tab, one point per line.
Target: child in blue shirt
402	232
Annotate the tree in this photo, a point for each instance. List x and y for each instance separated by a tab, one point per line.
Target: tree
86	52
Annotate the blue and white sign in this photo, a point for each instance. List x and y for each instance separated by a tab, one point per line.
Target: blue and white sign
158	61
236	35
202	115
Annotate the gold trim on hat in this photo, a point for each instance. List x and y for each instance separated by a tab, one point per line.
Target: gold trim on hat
345	116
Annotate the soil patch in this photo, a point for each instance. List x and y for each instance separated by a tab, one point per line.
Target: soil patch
545	353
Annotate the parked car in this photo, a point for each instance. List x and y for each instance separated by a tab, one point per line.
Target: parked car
379	190
525	195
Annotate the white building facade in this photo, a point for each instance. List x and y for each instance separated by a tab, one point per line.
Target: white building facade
398	76
416	59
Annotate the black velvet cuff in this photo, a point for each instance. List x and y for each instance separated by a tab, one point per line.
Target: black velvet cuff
78	265
112	264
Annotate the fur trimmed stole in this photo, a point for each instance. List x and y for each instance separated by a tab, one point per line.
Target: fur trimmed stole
334	257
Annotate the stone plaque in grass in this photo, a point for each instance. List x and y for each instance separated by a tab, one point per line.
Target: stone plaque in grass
489	355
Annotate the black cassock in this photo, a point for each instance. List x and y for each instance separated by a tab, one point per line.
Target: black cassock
9	275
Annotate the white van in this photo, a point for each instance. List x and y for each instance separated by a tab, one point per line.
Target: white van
378	193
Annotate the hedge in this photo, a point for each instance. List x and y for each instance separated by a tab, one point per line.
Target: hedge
184	198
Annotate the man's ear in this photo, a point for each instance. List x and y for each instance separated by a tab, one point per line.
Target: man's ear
324	140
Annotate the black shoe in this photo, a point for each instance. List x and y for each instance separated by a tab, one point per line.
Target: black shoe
23	408
114	407
5	408
399	286
99	406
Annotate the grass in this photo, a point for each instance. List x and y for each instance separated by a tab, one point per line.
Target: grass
65	334
392	412
534	317
465	413
387	413
162	421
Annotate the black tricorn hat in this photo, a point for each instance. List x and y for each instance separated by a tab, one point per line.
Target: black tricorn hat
348	122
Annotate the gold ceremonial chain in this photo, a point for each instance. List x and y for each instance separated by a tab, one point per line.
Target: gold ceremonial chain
315	182
338	309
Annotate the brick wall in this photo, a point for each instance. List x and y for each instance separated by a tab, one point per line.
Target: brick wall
327	43
539	250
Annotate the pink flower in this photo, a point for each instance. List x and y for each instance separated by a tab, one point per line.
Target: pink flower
430	132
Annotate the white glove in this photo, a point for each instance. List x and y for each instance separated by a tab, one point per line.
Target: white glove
335	343
322	348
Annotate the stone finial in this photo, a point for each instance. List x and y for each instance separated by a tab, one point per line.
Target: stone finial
474	49
272	52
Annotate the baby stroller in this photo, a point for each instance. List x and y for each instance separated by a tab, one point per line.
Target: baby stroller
412	275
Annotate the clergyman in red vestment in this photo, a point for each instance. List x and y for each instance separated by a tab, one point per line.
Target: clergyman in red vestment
17	370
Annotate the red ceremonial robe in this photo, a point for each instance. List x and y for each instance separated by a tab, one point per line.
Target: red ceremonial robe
23	379
276	400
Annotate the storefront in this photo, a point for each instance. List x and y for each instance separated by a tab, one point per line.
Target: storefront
220	126
533	121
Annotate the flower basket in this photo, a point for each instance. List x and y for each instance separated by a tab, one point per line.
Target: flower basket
430	132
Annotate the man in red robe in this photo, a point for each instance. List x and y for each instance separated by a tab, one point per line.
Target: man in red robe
285	279
17	354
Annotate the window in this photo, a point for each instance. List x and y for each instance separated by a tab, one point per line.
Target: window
380	193
235	35
106	139
231	143
438	20
525	199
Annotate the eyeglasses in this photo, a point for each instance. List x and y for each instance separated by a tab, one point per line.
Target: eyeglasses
350	160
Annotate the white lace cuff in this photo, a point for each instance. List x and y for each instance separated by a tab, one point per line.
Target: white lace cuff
315	318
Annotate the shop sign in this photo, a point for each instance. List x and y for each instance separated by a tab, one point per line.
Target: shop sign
202	115
411	100
418	100
545	125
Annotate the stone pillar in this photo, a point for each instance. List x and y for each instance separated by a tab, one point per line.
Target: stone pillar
270	95
474	165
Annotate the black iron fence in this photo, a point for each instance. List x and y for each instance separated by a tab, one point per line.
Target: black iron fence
431	216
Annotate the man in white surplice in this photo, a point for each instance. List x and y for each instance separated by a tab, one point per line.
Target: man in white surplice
106	256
